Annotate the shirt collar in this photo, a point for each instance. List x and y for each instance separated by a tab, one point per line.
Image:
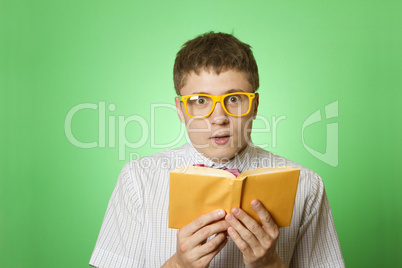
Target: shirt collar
246	160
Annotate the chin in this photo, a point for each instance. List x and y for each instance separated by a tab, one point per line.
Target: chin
221	156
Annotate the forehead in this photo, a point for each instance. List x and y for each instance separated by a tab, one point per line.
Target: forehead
209	82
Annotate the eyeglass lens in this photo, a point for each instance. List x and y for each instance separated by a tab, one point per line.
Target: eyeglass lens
236	104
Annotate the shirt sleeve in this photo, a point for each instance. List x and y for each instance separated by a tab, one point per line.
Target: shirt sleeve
120	241
317	241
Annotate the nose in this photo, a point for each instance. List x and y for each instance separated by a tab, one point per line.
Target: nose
219	116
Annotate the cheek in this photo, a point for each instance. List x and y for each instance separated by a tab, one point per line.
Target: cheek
243	126
197	127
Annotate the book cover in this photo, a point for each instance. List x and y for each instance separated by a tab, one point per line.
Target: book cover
194	191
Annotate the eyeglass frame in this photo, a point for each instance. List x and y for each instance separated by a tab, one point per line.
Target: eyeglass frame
219	99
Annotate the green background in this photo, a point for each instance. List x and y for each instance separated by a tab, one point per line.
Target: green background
55	55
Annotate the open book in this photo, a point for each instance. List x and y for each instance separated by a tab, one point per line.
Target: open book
198	190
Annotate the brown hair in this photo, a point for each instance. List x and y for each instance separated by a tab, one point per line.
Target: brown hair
218	51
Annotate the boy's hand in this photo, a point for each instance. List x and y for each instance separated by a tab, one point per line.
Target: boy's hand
257	242
192	248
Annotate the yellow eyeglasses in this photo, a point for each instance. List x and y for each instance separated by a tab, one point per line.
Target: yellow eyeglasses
202	105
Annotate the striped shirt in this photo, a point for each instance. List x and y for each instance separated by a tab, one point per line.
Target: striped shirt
135	231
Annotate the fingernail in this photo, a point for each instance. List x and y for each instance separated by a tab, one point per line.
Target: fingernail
235	211
230	230
221	213
229	217
254	203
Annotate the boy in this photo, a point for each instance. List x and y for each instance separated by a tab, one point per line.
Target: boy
216	77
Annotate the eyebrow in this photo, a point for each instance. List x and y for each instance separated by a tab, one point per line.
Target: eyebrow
226	92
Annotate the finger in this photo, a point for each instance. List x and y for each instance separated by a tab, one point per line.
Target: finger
243	230
267	221
209	230
214	244
195	241
249	223
201	221
240	243
220	240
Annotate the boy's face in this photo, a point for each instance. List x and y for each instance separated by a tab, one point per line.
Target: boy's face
219	136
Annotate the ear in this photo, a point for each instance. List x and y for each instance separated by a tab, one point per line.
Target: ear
256	103
179	110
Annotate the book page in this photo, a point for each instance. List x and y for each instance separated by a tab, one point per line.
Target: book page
265	170
204	171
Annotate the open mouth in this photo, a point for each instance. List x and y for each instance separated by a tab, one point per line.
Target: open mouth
220	139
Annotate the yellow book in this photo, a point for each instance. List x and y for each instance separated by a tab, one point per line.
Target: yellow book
198	190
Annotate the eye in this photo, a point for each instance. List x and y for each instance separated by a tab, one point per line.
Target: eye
201	100
234	99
